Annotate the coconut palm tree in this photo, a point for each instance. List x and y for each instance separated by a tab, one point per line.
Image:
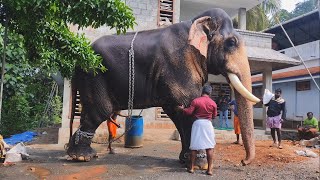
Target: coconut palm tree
259	17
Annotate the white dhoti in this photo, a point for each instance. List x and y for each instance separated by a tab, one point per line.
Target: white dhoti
202	135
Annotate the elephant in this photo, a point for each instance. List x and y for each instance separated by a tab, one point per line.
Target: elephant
171	65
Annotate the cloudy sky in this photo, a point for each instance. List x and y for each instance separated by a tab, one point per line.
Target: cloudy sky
289	5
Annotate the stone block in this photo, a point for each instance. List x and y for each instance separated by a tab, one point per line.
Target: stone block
133	4
142	6
136	12
145	12
176	135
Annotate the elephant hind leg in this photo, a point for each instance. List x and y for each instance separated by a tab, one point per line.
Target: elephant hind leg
96	108
79	145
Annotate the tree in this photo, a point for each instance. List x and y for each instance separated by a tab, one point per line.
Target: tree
284	15
304	7
48	43
257	17
300	9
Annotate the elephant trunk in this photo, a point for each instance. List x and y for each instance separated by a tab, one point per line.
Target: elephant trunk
239	76
247	128
245	112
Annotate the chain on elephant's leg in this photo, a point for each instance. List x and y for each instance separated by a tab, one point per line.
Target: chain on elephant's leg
79	146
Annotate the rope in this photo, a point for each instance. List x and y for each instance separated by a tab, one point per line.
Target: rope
294	47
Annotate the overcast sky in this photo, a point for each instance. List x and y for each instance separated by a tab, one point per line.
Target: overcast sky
289	5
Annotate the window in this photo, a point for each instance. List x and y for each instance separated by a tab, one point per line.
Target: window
165	13
77	108
303	86
217	87
257	91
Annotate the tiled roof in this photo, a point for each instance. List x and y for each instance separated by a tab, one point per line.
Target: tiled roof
294	73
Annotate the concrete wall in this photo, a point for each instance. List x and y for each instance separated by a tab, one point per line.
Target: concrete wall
307	51
256	39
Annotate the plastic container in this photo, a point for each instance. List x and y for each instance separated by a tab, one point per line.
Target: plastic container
134	137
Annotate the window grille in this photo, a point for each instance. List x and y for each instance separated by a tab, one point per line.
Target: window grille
165	13
161	115
303	86
217	87
77	108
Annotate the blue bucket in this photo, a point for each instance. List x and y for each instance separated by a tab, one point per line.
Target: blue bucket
133	138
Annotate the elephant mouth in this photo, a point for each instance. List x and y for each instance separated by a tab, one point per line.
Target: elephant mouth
236	83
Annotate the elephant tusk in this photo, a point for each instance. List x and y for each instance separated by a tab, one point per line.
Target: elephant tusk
235	82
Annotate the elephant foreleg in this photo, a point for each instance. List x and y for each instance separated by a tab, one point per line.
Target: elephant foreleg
183	126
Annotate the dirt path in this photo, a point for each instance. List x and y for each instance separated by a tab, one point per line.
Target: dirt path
158	160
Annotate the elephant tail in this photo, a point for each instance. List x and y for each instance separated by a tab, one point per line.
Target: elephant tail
74	90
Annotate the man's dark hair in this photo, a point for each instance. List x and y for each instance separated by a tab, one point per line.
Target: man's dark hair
278	90
309	113
207	89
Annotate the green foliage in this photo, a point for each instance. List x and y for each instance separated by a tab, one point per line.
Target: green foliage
15	115
257	17
16	66
264	15
300	9
284	15
41	43
56	110
304	7
26	90
49	42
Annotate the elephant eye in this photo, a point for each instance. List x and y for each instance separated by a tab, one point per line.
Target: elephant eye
231	43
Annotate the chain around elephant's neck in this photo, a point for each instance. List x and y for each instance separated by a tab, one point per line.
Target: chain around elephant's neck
131	78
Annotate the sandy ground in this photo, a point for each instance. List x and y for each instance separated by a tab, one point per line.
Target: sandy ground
157	159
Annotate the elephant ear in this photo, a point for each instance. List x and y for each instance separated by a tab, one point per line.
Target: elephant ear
201	32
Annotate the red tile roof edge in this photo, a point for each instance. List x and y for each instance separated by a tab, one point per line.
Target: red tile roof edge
294	73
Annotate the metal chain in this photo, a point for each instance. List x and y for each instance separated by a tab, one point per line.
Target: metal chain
131	88
80	134
131	78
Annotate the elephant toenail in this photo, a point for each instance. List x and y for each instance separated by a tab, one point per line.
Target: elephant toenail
88	158
81	158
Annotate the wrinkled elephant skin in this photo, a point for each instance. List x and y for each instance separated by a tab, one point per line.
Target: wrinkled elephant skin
171	66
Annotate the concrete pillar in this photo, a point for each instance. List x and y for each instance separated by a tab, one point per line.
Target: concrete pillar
66	104
64	130
176	11
267	84
242	18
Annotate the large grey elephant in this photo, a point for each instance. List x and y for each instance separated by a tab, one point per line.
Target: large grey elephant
171	66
